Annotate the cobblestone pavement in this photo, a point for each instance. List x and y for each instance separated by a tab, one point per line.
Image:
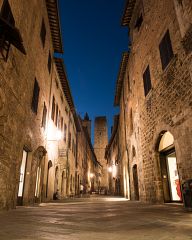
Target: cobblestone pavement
97	218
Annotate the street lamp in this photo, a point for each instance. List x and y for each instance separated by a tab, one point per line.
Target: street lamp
91	175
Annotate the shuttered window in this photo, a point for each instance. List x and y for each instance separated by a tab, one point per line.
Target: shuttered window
6	13
69	140
166	51
35	98
53	109
43	124
49	62
61	124
65	132
147	81
43	32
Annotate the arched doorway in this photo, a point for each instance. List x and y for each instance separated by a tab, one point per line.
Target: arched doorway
37	172
62	183
56	185
48	177
22	178
169	170
135	183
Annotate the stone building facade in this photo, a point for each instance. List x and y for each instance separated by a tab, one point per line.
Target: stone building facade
24	96
154	91
114	166
100	143
38	123
88	168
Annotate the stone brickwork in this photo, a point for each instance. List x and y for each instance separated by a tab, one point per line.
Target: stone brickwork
100	143
19	126
167	106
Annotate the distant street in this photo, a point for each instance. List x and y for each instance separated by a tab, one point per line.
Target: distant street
97	218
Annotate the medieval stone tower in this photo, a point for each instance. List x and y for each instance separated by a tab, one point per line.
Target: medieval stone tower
86	122
100	143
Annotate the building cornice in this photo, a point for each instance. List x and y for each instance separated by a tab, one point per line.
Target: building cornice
64	82
120	78
54	22
128	11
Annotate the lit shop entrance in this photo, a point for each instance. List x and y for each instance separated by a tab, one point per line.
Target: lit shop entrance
169	170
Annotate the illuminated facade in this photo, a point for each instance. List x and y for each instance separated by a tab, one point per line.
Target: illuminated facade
152	91
114	166
38	124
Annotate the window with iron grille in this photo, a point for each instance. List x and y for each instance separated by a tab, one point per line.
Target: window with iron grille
147	81
166	51
49	62
43	32
53	109
35	99
43	123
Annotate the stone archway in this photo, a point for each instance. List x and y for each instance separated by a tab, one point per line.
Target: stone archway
169	169
50	165
37	172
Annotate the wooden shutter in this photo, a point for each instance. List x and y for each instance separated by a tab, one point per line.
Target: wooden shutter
35	98
166	51
147	81
43	33
44	116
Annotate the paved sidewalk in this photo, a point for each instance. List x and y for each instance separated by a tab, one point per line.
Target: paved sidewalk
96	218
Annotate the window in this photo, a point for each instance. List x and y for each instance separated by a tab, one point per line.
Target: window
35	98
43	33
57	84
62	100
58	121
56	115
6	13
53	109
65	132
69	140
61	123
166	51
147	81
49	62
139	22
43	123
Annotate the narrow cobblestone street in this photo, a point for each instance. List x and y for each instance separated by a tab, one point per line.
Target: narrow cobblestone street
97	218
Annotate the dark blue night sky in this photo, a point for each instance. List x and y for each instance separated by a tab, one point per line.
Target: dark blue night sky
93	41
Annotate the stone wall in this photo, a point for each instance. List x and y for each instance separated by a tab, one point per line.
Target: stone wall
100	143
167	107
